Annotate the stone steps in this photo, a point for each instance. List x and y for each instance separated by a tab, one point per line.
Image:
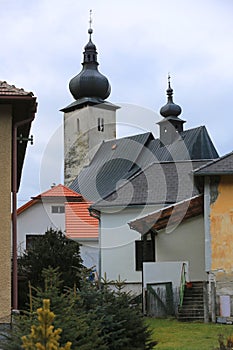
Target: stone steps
193	304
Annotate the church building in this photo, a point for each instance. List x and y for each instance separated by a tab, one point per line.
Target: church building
128	177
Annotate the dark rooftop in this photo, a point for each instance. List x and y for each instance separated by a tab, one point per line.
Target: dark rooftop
162	183
220	166
119	160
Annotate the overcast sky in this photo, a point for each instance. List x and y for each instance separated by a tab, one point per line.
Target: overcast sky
138	43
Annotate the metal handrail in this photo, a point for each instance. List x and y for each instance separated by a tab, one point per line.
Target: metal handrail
182	284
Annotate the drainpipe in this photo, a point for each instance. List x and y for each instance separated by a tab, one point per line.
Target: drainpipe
14	210
96	214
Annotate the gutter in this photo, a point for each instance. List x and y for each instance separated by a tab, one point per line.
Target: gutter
14	208
96	214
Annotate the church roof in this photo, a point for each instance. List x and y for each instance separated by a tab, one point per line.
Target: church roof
119	160
161	183
192	144
220	166
114	160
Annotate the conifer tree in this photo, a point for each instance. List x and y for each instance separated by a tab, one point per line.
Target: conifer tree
90	317
54	250
44	336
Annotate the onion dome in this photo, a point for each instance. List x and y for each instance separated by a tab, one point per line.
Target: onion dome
90	82
170	109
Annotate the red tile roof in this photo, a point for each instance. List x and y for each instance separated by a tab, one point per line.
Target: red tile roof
6	89
59	191
27	205
79	223
54	192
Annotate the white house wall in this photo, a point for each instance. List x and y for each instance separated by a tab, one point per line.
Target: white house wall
118	244
36	220
185	243
89	251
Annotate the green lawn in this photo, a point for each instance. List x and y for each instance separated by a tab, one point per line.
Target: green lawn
174	335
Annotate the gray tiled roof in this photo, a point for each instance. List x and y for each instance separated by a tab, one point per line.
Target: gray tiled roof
114	160
160	183
119	160
220	166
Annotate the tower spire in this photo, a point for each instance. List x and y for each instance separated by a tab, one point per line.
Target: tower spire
171	125
170	109
90	83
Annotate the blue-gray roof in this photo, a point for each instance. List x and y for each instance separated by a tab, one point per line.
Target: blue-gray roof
119	160
220	166
161	183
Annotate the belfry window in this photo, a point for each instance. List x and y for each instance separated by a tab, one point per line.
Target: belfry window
101	124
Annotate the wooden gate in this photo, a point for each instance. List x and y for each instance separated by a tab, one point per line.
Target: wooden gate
159	300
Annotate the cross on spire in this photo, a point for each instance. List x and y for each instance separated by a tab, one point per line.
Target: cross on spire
169	79
90	19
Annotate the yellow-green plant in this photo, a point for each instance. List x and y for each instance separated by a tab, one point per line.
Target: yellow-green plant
44	336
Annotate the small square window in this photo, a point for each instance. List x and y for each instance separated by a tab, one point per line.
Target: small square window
58	209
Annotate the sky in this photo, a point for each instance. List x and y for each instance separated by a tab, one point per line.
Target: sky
138	43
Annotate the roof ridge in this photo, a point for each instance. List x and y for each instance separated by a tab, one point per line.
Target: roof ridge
195	128
7	89
56	187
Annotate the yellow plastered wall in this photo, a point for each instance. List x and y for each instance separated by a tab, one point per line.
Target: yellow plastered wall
221	227
5	212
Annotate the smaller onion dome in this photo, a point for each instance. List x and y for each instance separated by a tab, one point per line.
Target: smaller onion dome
170	109
90	82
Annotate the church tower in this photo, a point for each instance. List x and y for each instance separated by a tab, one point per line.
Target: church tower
90	119
171	126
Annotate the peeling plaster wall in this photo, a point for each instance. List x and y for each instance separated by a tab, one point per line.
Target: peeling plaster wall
82	137
221	229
